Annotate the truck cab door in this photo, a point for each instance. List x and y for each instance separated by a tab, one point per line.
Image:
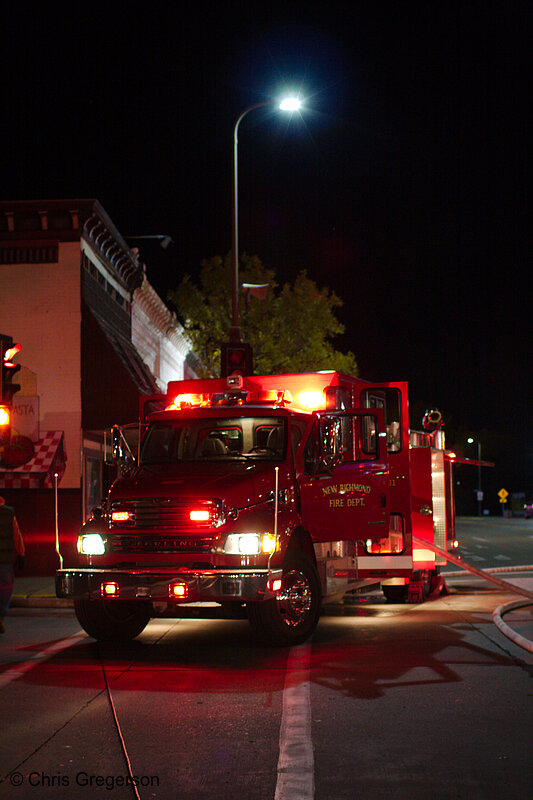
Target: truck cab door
342	473
392	400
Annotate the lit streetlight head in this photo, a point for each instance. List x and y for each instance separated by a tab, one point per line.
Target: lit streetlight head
290	104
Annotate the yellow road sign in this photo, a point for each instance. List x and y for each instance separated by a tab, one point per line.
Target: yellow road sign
503	494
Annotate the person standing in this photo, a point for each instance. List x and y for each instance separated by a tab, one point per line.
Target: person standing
11	547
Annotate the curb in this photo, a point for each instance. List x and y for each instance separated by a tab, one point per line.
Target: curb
40	601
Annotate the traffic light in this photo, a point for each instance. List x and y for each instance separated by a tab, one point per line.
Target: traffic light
236	359
8	351
5	428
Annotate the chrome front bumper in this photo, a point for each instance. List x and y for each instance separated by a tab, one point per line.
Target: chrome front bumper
135	584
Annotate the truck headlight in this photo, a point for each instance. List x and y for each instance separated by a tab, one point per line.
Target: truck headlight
91	544
249	544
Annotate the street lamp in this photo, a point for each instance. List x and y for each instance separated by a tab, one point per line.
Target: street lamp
479	491
287	104
163	238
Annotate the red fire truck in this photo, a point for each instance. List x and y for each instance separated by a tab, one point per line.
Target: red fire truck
264	496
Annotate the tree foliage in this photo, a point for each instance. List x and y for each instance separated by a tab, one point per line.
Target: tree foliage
291	330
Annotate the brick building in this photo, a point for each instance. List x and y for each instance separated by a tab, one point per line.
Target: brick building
94	335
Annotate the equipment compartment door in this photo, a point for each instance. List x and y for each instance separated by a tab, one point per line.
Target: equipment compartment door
343	477
392	399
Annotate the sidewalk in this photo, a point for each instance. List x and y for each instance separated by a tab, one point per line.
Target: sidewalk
37	592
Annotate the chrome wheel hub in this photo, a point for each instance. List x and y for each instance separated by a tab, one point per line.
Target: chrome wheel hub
294	598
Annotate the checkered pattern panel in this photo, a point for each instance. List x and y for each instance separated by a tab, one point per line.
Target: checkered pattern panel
49	457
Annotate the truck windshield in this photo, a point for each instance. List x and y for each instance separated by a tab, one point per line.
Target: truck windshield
216	439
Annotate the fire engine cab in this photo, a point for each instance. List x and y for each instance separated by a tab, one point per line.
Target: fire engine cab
264	496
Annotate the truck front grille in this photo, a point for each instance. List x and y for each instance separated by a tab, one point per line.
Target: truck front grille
154	543
162	513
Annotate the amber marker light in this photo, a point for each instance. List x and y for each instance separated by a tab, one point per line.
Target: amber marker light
269	543
109	589
120	516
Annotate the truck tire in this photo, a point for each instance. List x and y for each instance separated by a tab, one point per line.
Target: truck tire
292	616
401	594
112	620
395	594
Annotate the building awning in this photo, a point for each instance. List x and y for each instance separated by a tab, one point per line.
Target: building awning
48	459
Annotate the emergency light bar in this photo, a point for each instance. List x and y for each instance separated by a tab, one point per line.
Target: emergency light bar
190	401
278	398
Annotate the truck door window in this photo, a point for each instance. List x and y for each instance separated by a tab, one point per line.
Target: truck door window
311	455
359	438
340	439
389	401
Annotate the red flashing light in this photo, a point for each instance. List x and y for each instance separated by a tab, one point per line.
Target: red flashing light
10	353
273	397
178	591
182	401
5	416
205	513
9	369
109	589
275	585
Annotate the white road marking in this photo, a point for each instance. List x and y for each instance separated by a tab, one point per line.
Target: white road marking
19	670
296	780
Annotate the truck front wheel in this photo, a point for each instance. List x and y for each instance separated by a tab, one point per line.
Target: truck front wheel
292	616
112	620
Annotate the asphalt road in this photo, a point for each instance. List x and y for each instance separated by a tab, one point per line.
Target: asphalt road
495	542
386	701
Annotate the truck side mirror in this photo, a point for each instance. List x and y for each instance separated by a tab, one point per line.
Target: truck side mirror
122	455
97	512
116	443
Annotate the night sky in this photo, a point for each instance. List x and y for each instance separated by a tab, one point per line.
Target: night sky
402	185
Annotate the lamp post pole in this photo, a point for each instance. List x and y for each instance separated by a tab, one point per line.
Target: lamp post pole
235	331
479	490
288	104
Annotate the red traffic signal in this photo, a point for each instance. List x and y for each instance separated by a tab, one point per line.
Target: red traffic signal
5	428
8	351
236	359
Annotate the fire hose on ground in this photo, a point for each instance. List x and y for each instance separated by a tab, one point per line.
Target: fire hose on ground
498	613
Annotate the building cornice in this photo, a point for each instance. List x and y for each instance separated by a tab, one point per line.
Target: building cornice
111	248
160	318
26	221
